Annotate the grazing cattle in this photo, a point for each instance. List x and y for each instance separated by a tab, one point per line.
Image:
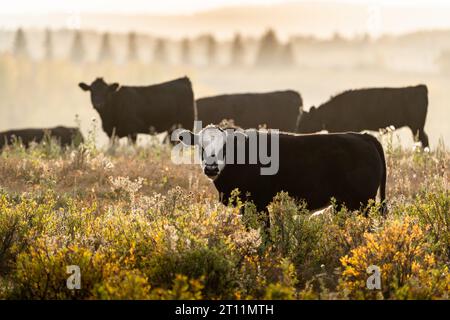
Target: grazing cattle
347	166
126	111
64	135
370	109
276	110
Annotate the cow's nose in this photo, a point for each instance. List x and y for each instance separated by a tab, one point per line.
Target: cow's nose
211	170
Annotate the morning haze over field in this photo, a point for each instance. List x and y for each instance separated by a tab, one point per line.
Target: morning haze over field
330	46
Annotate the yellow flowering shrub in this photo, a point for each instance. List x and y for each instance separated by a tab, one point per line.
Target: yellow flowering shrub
404	257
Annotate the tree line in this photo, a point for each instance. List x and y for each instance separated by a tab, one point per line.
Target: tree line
271	51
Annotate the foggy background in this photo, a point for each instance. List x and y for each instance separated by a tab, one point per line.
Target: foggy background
318	49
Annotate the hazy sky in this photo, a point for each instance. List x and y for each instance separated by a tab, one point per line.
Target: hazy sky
177	18
166	6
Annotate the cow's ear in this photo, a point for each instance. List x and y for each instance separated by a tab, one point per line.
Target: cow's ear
114	86
312	109
84	86
187	137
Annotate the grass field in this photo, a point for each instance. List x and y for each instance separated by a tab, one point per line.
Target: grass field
141	227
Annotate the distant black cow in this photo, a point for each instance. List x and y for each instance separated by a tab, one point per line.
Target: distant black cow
126	111
370	109
64	135
276	110
347	166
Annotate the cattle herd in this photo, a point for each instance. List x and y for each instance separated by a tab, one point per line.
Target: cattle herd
343	164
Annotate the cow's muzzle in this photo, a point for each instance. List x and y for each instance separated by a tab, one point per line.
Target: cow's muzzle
211	170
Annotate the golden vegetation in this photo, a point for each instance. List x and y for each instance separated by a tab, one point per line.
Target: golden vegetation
141	227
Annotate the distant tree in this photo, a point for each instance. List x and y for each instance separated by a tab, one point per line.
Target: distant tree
160	52
77	53
20	48
268	49
287	54
106	52
338	38
48	45
366	38
186	51
211	49
237	51
132	47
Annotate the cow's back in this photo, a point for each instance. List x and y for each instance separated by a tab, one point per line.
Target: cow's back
160	107
64	135
26	136
374	108
276	110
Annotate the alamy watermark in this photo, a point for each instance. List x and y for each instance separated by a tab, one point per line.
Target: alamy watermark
74	280
374	280
216	147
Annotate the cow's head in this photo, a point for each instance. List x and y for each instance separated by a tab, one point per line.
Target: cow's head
310	121
100	92
212	142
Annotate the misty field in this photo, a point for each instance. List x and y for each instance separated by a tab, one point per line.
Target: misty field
39	91
141	227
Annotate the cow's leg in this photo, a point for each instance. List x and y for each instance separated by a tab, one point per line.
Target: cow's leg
133	137
168	139
113	140
415	133
420	135
423	137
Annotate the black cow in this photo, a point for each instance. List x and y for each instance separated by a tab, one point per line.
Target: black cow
126	111
370	109
277	110
347	166
66	136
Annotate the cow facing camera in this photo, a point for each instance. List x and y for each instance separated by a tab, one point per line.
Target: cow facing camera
215	148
